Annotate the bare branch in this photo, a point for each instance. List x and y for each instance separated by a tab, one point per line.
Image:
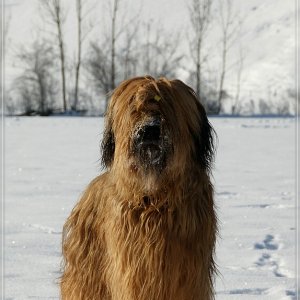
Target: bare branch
200	18
57	16
36	84
229	29
160	52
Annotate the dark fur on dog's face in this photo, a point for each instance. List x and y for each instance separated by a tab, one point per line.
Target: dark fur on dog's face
151	141
156	125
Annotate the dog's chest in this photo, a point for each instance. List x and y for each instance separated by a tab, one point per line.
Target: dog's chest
145	252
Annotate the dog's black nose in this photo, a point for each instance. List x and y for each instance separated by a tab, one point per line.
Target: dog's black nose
151	131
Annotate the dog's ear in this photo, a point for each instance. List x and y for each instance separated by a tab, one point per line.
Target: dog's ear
108	145
204	140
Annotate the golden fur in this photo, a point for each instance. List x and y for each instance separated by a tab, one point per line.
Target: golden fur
146	233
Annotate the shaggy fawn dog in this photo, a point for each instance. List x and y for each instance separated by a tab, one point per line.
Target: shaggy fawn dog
146	228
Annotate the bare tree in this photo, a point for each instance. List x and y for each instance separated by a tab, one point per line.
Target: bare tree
10	107
99	61
79	45
4	41
82	12
129	56
265	107
36	84
200	18
160	52
113	42
240	68
57	16
99	67
291	93
157	56
147	48
229	30
106	57
6	28
123	29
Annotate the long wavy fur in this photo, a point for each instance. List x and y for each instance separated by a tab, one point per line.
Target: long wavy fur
137	235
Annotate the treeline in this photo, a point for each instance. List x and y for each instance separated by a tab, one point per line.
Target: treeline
53	81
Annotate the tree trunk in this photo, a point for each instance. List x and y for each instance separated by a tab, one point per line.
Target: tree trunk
198	68
223	73
78	55
148	50
239	75
42	95
53	8
113	44
62	60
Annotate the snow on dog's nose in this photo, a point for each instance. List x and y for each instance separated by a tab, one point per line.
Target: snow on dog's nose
150	132
149	143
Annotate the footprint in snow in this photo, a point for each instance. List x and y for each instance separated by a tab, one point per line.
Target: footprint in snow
270	260
267	261
268	243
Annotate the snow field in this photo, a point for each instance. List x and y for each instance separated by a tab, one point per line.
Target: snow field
49	161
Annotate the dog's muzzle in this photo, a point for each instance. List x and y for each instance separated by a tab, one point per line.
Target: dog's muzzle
149	143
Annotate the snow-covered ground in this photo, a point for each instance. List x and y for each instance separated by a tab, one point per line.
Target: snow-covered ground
49	161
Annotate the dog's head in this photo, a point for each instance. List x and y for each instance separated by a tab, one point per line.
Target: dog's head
156	125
